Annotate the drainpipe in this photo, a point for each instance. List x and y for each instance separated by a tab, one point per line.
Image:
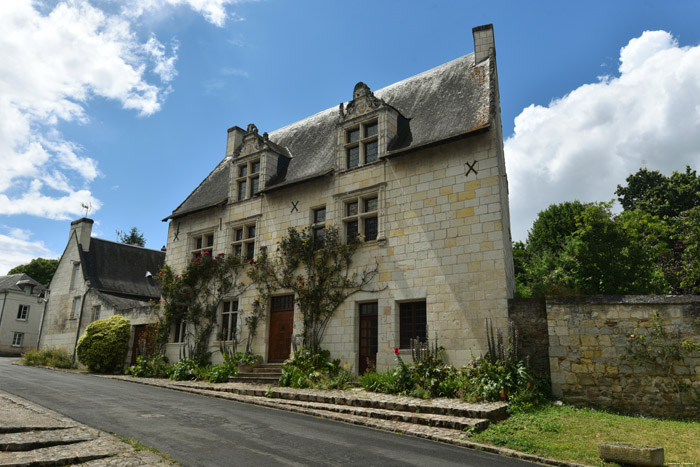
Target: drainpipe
2	312
47	294
80	319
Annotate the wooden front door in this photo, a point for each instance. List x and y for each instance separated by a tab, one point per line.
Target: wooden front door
368	337
144	344
281	323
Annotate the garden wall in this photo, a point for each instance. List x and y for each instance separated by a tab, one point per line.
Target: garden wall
588	342
529	317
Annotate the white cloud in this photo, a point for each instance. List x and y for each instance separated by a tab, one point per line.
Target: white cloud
213	11
17	249
582	145
54	62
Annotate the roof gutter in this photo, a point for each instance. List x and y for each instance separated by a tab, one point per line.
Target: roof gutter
185	213
472	132
80	319
2	312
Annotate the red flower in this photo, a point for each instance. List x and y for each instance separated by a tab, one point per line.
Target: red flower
252	261
176	276
221	254
263	247
358	234
302	284
156	331
396	350
156	323
217	325
197	258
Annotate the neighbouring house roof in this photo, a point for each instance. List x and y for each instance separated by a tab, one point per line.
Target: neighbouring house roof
449	101
122	303
117	268
9	283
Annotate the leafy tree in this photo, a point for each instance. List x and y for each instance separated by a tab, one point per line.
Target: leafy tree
193	298
657	194
132	237
553	227
39	269
318	274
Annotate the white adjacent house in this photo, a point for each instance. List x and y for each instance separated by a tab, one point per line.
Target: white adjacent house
22	302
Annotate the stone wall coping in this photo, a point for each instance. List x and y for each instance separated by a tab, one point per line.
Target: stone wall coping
626	299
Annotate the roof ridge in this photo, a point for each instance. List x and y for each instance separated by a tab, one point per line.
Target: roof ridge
126	244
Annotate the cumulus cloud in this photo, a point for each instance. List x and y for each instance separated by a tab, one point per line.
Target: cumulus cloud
213	11
55	61
18	248
582	145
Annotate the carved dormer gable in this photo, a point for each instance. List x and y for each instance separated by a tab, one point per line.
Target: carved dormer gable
254	163
363	101
365	127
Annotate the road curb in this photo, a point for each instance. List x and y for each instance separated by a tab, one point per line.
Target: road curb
434	434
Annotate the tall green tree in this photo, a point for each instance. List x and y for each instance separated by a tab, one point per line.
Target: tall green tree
666	197
39	269
132	237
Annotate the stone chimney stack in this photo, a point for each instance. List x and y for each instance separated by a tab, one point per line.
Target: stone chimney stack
484	44
235	138
83	230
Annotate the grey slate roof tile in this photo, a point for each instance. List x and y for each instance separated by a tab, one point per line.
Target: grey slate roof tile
445	102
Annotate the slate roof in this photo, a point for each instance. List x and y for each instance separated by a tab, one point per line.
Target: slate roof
446	102
117	268
122	303
10	283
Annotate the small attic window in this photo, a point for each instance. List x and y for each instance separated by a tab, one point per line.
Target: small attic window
248	181
362	144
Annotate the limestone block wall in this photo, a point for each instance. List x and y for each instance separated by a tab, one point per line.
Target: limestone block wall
587	346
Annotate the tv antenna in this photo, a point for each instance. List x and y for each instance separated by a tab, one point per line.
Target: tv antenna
87	207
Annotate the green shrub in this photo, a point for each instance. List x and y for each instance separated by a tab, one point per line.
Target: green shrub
104	344
218	374
55	358
305	370
185	370
154	367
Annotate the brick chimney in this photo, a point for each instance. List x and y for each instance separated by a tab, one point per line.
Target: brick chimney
83	230
484	44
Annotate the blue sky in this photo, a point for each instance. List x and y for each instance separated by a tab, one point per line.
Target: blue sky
125	105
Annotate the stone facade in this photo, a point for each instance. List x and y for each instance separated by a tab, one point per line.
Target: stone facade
432	207
21	308
97	279
529	318
588	341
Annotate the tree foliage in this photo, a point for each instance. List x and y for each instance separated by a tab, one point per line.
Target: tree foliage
193	298
652	247
318	273
132	237
39	269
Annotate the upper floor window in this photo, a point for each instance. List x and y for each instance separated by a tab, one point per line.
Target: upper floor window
202	244
244	241
229	321
23	312
361	217
362	144
75	275
248	181
319	225
76	308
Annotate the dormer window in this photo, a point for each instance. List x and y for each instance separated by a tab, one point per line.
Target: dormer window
362	144
248	181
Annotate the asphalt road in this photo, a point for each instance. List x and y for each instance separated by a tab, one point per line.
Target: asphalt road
197	430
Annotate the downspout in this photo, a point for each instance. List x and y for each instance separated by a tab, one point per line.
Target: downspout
80	319
43	316
2	312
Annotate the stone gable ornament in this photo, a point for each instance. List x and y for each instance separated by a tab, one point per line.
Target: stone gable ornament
363	101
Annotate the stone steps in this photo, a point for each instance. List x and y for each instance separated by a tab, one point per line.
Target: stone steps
27	441
266	373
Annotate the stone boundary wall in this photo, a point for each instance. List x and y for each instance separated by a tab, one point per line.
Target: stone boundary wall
529	317
588	340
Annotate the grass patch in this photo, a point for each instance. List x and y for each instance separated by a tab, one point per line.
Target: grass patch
570	434
138	446
54	358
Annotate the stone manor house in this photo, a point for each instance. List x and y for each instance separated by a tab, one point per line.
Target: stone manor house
417	169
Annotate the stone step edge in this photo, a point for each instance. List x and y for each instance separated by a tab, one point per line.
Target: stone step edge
9	429
443	435
47	456
493	415
444	421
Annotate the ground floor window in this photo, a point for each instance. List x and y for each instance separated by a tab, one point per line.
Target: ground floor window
413	323
179	335
229	321
18	339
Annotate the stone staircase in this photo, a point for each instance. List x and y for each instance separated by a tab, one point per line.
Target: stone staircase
266	373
